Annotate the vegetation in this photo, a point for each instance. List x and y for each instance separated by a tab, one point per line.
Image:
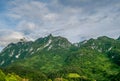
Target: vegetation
56	59
10	77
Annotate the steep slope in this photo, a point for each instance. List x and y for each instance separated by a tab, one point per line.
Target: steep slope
90	60
109	46
101	44
15	52
52	43
51	54
22	50
118	38
92	64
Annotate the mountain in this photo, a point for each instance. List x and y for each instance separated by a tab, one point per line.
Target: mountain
101	44
22	49
109	46
56	59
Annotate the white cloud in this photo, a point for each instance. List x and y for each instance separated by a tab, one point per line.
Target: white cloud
35	19
8	36
26	27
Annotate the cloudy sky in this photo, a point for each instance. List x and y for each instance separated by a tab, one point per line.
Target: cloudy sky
74	19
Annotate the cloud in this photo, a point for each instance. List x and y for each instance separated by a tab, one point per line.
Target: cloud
87	4
74	19
7	36
26	27
83	20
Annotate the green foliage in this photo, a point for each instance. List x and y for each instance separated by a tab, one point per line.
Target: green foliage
77	77
2	76
115	56
56	59
115	77
73	75
31	74
49	80
60	79
9	77
12	77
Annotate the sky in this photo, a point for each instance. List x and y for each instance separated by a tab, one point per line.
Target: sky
76	20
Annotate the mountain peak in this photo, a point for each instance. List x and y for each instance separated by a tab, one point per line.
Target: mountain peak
50	35
23	39
103	37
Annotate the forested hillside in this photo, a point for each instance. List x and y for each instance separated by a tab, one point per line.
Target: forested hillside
56	59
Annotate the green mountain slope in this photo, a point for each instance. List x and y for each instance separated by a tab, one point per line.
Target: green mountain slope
57	59
23	50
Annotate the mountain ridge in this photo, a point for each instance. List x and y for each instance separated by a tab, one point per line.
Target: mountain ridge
23	49
56	56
